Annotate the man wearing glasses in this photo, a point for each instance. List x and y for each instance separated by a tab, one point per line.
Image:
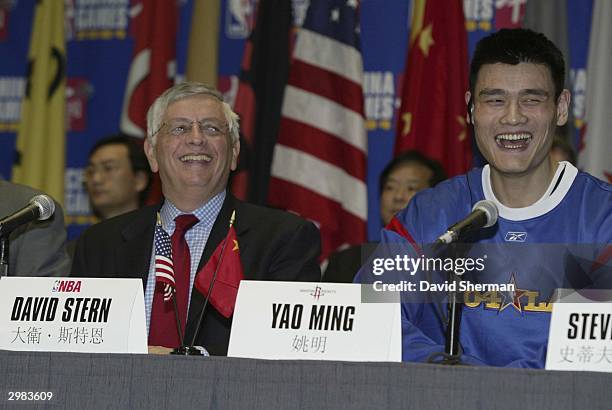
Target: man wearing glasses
193	142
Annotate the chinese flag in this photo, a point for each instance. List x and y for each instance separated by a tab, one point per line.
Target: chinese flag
433	110
226	261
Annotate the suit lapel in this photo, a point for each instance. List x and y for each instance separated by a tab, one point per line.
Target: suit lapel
134	253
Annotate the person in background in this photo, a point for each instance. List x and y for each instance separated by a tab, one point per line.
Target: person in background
404	176
193	142
36	248
117	177
561	150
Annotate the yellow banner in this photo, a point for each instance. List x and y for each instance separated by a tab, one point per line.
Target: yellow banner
41	137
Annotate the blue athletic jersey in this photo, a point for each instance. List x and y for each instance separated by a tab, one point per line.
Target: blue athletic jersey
497	328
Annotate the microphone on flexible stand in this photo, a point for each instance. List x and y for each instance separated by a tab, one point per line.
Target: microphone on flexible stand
191	349
484	214
40	207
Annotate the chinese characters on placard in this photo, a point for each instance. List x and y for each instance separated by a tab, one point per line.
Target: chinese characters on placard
67	335
585	354
306	344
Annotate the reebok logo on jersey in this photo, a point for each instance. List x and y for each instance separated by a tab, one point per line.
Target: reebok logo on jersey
516	236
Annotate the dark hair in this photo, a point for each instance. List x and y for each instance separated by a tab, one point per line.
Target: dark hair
136	155
408	157
514	46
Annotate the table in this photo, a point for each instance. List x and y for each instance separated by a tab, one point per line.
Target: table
98	381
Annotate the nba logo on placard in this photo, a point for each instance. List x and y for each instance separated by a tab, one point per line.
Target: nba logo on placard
66	286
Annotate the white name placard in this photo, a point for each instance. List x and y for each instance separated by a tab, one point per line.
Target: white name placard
580	336
313	321
72	315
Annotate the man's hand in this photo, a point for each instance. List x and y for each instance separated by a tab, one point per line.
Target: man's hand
159	350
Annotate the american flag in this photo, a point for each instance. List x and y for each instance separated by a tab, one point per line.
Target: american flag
164	270
319	165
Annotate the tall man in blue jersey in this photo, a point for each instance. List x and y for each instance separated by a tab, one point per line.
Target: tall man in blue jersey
515	102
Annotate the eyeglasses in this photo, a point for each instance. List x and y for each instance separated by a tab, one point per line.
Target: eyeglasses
179	128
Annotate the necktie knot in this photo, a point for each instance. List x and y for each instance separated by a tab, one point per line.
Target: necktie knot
184	223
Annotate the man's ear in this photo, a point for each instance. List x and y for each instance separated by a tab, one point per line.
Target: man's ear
563	104
470	108
235	153
150	153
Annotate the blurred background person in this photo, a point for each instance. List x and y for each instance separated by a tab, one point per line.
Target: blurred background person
36	248
117	177
406	174
561	150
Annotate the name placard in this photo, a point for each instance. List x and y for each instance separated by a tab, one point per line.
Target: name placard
72	315
580	336
313	321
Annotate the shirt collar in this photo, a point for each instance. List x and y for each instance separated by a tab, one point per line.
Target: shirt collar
206	214
557	189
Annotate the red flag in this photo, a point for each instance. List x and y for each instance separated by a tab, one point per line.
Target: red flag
319	165
432	115
226	262
153	65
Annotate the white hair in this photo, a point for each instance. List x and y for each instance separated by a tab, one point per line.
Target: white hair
177	92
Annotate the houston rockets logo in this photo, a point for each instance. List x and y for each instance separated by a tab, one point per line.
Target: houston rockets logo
316	293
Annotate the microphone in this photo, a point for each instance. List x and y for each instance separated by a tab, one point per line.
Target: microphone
191	349
484	214
41	207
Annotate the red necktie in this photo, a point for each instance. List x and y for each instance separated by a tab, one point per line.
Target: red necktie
163	327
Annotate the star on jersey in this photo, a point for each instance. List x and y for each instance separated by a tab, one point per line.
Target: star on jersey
511	297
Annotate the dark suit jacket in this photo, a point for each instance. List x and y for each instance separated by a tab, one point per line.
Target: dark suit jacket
274	245
343	265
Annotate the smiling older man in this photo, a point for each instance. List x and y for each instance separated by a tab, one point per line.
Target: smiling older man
193	142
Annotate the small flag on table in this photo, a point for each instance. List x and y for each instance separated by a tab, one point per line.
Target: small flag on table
225	264
164	269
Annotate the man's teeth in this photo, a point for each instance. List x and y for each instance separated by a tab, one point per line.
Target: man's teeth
200	157
512	137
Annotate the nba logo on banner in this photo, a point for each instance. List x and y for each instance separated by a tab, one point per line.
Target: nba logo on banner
240	18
